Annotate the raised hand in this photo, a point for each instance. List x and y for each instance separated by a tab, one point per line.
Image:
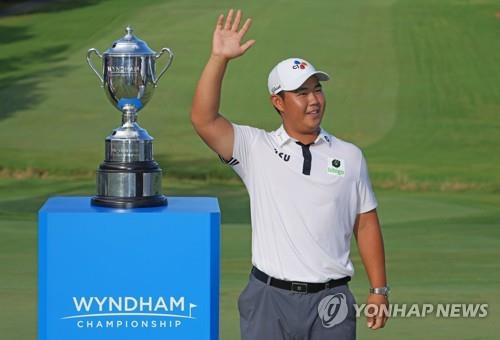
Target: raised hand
227	37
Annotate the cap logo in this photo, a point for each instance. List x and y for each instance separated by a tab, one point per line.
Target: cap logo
297	64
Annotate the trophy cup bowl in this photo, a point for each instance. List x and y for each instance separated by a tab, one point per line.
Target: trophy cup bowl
129	177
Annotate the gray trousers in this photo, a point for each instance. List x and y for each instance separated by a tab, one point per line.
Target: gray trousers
270	313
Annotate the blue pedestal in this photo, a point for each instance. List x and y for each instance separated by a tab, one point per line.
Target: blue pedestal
149	273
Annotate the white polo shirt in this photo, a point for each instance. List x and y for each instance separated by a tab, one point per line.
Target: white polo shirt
304	201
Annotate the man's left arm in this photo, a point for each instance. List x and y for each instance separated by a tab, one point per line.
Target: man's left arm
371	248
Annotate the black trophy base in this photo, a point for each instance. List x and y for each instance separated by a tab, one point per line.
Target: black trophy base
129	202
129	185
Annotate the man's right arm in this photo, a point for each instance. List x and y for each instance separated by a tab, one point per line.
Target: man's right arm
215	130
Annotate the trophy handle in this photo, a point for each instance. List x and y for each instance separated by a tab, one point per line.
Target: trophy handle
89	53
169	62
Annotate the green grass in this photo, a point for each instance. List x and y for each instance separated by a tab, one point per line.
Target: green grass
441	248
415	83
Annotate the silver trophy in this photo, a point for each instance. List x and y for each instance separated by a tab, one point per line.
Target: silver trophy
129	177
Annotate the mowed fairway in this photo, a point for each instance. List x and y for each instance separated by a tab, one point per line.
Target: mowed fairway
415	83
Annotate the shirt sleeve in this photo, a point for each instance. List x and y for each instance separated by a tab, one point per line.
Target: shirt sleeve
244	137
366	196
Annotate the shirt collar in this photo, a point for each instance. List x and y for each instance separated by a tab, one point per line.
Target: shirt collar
282	137
324	136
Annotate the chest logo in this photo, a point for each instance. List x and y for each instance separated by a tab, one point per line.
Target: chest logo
282	155
336	167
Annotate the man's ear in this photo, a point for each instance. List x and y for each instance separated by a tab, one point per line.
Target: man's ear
277	102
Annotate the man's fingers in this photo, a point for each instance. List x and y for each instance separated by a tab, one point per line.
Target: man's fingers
229	19
220	22
370	321
245	27
236	22
379	322
247	45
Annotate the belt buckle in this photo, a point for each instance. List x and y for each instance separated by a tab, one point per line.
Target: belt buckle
299	287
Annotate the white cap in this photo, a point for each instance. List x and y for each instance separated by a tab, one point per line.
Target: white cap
289	74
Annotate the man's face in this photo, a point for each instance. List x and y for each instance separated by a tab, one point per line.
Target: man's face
303	108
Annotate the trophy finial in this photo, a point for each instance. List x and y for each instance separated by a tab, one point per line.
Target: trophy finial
129	31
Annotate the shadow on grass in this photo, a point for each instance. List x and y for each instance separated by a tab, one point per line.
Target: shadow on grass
26	207
9	34
44	56
20	85
21	74
21	209
21	7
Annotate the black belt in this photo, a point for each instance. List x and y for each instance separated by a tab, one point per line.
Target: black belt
301	287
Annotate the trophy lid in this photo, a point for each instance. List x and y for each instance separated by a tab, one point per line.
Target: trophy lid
130	45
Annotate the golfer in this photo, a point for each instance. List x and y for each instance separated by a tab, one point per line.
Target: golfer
309	192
